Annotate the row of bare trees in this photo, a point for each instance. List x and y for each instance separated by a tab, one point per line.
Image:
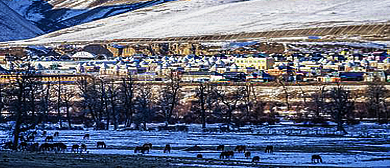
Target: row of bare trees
29	101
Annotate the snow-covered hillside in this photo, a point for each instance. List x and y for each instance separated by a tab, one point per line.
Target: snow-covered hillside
15	27
198	17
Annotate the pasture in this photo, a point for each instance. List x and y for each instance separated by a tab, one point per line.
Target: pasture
360	148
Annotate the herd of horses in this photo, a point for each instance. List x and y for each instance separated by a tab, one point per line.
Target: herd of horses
29	144
145	148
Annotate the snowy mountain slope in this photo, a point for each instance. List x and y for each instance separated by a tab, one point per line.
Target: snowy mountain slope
58	14
15	27
199	17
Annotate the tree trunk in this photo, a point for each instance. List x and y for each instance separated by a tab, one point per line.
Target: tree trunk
68	116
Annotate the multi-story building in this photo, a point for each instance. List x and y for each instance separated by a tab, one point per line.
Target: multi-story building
260	63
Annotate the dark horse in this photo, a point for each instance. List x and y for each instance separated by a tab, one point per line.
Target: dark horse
102	144
142	149
240	148
167	148
269	149
59	147
247	154
49	138
75	148
221	147
56	134
199	156
86	136
83	147
226	154
316	159
149	145
256	159
46	147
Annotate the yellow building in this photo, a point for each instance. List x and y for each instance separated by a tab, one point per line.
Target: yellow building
257	63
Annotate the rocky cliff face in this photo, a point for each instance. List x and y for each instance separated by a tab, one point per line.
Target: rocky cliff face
15	27
54	15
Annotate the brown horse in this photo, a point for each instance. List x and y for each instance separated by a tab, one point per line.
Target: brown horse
226	154
256	159
167	148
59	147
75	148
86	136
83	147
240	148
199	156
316	159
46	147
49	138
269	149
221	147
56	134
141	149
102	144
44	133
149	145
247	154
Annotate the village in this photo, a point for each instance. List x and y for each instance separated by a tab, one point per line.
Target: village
251	61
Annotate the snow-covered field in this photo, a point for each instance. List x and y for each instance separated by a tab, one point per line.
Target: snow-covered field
366	146
199	17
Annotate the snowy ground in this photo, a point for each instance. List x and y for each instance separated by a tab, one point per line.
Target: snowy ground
366	146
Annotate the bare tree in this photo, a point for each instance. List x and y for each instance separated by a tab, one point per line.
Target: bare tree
230	101
202	93
340	105
170	94
285	95
318	103
377	93
112	98
144	104
21	103
126	93
91	99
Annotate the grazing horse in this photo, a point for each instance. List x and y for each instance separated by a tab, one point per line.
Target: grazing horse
221	147
240	148
149	145
316	159
142	149
49	138
256	159
167	148
247	154
56	134
46	147
226	154
199	156
59	147
86	136
75	148
269	149
102	144
83	147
